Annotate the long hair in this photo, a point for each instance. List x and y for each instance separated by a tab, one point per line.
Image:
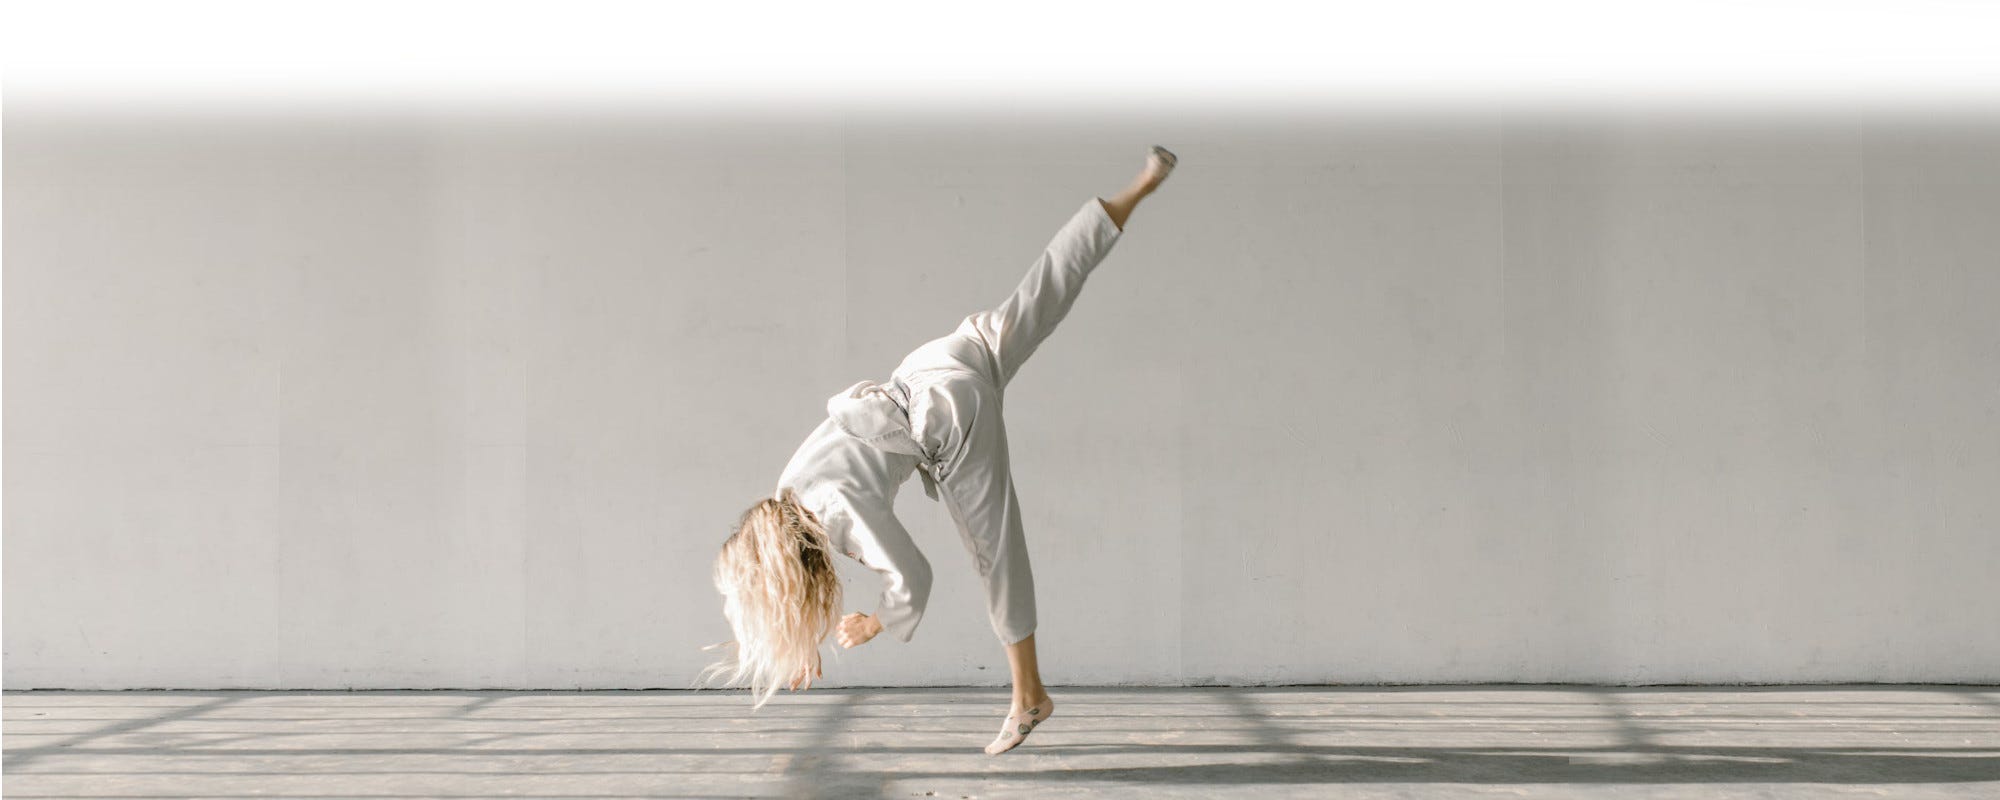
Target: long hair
780	593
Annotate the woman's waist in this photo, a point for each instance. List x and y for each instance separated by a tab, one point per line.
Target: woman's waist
911	380
942	358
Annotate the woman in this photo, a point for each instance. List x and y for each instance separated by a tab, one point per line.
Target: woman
939	416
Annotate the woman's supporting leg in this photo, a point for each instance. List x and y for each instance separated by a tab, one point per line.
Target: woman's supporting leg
978	490
1031	699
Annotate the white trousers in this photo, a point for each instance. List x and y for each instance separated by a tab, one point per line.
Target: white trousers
953	387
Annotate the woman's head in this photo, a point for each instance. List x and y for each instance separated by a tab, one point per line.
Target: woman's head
780	593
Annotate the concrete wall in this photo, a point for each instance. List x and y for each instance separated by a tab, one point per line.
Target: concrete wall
352	400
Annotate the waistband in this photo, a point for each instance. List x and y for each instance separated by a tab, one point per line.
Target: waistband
899	393
879	415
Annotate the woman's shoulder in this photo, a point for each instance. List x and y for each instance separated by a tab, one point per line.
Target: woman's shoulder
816	495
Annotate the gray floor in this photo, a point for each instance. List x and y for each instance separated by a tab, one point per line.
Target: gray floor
1905	741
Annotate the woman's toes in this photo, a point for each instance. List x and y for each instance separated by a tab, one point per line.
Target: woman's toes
1016	727
1007	740
1159	164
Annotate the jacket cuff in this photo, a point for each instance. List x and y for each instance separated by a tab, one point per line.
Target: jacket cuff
899	621
1100	219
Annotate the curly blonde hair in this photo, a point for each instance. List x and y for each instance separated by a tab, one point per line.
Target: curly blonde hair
780	593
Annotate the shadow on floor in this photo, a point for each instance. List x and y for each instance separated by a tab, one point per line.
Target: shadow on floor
1279	753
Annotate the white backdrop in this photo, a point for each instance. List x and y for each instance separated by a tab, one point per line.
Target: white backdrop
328	400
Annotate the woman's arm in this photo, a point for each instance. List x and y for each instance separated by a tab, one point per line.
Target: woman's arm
886	547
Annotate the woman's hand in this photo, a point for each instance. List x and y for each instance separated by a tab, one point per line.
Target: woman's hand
857	628
804	680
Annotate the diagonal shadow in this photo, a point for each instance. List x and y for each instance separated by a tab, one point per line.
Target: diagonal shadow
1271	737
472	709
15	757
1974	694
1637	737
815	770
1238	764
1337	765
831	759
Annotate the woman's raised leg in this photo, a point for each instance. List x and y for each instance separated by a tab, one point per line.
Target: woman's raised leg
1014	329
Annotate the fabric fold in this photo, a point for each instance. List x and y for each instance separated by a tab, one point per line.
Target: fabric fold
879	415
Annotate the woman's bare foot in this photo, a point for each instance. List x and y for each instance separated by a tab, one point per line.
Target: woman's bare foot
1020	722
1159	164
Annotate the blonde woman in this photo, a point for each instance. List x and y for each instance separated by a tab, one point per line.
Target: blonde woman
938	416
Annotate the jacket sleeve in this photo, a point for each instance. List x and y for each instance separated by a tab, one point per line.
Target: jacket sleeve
884	545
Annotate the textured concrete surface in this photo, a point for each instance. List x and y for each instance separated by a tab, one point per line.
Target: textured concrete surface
1910	741
354	401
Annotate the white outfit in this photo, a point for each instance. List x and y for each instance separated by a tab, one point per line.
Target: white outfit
939	415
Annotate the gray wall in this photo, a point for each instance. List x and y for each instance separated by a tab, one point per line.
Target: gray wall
352	400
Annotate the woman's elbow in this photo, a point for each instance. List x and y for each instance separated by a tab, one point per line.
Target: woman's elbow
917	580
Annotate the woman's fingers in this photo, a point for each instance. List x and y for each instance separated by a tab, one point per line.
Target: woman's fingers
803	679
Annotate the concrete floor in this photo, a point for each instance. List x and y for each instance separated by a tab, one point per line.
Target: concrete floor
1905	741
